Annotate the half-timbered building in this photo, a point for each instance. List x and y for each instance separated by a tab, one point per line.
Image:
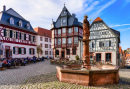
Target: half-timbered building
104	44
66	36
16	35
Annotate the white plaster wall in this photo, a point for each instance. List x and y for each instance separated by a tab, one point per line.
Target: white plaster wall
20	55
43	45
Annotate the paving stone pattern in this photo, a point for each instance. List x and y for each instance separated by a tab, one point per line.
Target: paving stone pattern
42	75
15	77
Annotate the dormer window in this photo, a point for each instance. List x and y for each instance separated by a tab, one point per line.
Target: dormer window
28	26
20	23
11	20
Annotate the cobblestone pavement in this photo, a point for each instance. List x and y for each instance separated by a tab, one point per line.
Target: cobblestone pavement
42	75
11	78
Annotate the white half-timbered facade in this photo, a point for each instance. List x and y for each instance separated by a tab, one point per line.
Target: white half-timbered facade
104	44
17	36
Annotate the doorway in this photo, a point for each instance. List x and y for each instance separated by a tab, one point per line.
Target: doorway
7	51
98	57
63	54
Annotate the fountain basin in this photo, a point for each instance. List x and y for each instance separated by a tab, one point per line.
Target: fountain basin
104	75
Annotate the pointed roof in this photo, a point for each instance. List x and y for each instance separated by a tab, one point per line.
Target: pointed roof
14	13
97	19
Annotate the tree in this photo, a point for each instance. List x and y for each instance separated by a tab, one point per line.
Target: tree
39	50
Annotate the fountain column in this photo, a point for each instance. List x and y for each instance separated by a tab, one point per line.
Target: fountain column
86	40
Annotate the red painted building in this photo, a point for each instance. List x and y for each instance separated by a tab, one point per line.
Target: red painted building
66	36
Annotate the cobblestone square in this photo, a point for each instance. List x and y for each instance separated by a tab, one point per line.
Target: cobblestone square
42	75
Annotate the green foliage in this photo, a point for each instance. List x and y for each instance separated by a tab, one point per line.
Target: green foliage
77	57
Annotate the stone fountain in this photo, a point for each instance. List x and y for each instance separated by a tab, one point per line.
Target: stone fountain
86	74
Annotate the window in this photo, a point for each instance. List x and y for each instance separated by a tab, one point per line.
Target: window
31	51
64	21
40	44
40	38
76	40
22	36
14	34
59	31
22	50
46	52
69	30
11	20
75	29
46	45
55	31
74	51
20	23
59	41
50	52
68	51
50	40
57	52
91	56
63	30
16	50
98	57
107	44
55	41
63	40
104	33
50	46
108	57
46	39
92	45
29	37
69	40
7	33
28	26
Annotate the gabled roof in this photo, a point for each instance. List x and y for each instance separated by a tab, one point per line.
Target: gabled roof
14	13
71	19
97	19
43	31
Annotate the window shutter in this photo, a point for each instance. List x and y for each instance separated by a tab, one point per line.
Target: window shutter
4	32
29	51
92	45
13	50
33	51
19	35
24	50
100	44
16	35
24	36
109	43
33	38
29	38
19	50
10	33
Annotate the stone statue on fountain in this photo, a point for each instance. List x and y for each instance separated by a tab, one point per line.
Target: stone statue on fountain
86	34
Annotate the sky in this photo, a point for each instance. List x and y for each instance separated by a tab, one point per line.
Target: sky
115	13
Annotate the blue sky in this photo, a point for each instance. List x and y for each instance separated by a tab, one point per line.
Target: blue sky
115	13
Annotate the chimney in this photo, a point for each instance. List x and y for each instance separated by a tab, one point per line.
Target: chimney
4	8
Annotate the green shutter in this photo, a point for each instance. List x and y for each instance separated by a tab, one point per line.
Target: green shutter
33	51
33	38
24	50
24	36
29	38
10	33
13	50
29	51
4	32
16	35
19	50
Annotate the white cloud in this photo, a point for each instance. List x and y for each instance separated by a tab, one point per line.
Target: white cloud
122	30
119	25
41	12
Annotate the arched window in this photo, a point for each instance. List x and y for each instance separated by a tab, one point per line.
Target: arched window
11	20
28	26
20	23
56	52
